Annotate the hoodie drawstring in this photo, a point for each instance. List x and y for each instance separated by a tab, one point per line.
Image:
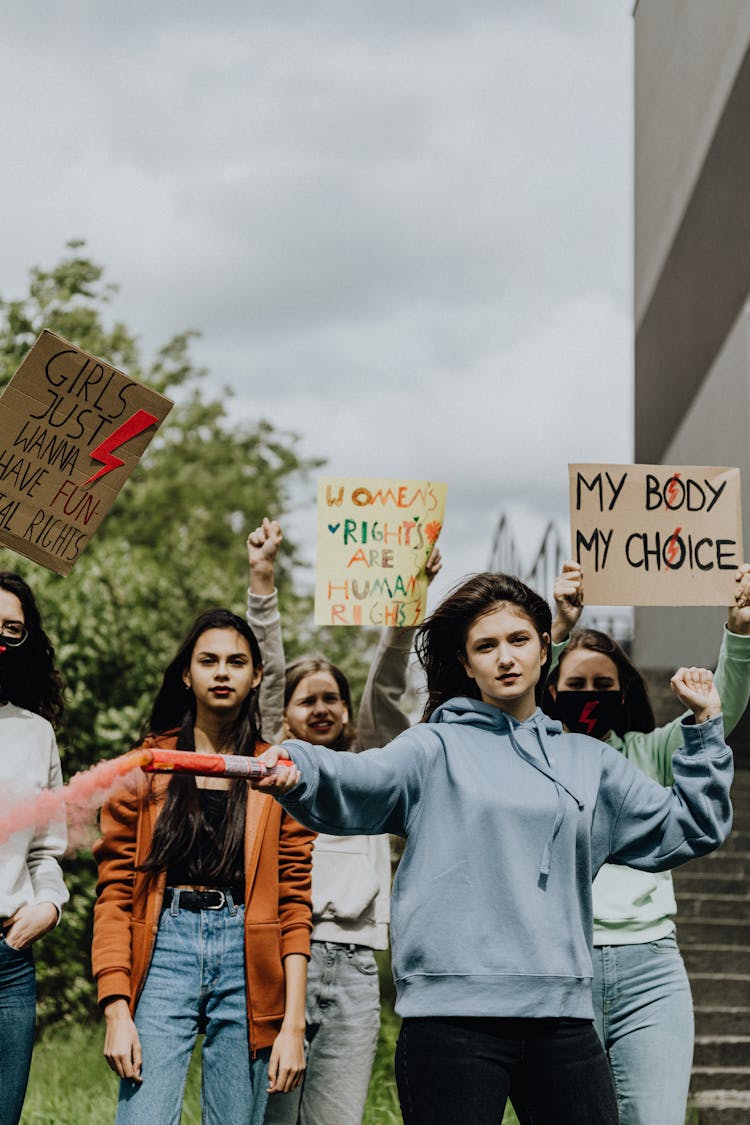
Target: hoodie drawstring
560	787
474	712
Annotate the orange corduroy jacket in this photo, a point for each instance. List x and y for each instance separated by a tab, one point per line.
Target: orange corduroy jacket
126	916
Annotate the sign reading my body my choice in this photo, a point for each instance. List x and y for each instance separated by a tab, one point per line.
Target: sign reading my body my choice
656	534
72	429
374	537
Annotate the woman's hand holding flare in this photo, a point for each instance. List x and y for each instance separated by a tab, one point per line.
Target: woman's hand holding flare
696	689
277	784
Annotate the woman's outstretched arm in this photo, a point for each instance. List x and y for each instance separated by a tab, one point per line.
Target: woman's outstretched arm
353	794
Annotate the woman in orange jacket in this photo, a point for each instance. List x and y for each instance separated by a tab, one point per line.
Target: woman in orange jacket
202	921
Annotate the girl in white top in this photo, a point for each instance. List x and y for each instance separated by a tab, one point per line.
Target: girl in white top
351	874
32	891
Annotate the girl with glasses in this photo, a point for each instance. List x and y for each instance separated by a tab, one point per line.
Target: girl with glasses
32	891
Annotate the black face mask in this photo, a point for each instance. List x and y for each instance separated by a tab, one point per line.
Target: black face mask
11	663
588	712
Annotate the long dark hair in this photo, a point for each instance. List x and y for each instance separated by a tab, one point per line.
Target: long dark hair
308	666
180	821
441	640
637	713
35	683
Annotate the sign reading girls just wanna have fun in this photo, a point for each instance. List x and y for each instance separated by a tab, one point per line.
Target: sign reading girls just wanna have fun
656	534
72	429
374	537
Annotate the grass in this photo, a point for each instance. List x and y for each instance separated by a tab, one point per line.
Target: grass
72	1085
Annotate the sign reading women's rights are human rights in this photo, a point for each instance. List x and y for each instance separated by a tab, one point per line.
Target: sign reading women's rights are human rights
656	534
374	538
72	429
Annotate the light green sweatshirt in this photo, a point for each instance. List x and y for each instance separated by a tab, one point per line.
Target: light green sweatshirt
633	907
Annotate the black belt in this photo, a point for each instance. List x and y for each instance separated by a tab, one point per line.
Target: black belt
214	899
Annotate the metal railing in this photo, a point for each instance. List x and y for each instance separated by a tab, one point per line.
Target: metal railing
506	557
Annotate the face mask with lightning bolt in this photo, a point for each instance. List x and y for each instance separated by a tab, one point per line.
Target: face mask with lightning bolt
595	713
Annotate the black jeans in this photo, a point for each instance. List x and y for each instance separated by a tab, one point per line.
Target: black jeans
459	1069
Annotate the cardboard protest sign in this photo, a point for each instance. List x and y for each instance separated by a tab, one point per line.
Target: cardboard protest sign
72	429
656	534
374	537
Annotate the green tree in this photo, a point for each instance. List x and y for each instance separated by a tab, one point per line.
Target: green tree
172	545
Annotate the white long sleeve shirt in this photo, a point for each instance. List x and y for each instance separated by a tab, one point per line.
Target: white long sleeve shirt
29	763
351	879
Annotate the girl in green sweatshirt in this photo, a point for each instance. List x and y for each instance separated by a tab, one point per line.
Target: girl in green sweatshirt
642	1002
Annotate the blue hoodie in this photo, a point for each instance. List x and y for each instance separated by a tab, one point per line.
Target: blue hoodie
506	824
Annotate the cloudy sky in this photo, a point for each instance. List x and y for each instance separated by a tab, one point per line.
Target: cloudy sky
403	229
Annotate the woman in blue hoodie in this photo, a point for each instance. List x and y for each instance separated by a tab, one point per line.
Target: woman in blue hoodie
505	826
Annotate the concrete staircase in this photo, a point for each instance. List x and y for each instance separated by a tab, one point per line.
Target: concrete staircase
713	931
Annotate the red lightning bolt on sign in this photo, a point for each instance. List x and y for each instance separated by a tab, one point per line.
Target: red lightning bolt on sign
672	488
586	715
104	452
671	548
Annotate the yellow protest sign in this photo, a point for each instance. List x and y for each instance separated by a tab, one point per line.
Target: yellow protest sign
374	537
72	429
656	534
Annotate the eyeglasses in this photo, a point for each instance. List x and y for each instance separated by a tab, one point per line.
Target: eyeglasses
12	633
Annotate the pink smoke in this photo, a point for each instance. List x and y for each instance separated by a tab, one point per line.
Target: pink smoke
75	802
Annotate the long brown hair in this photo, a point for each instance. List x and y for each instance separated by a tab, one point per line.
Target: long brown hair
180	822
441	640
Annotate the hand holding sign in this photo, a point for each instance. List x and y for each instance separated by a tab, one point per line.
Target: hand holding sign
569	600
434	565
376	539
568	595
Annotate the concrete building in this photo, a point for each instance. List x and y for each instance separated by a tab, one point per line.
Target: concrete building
692	406
692	267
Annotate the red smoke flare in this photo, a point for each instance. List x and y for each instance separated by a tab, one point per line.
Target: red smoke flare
83	793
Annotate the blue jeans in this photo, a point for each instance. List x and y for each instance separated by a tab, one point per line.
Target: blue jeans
342	1013
196	983
644	1018
463	1068
17	1013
